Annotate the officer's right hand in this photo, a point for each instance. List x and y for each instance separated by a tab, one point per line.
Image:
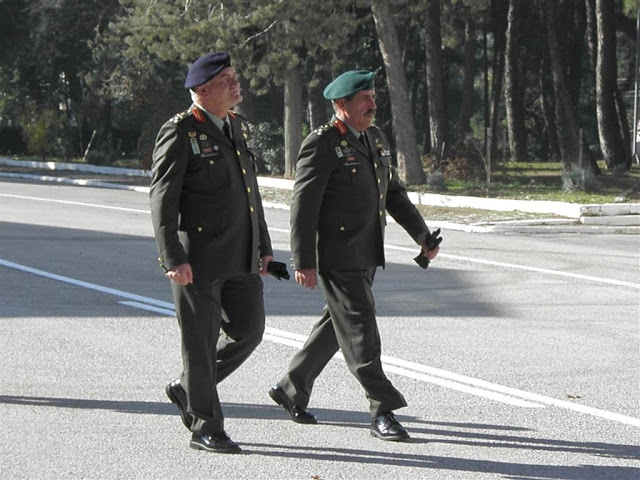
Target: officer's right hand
307	277
182	274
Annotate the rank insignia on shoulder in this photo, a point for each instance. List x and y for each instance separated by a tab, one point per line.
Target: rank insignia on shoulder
385	152
323	128
192	134
178	117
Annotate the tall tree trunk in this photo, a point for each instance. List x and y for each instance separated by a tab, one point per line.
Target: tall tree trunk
470	44
623	126
566	119
409	163
292	119
499	28
437	110
548	109
591	32
571	15
611	143
316	109
512	91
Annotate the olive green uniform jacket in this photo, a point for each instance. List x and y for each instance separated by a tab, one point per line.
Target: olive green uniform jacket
340	199
205	206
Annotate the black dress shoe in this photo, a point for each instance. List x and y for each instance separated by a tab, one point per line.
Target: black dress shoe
297	413
214	442
177	395
386	427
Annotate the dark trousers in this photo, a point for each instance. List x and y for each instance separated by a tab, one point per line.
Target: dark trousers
235	306
349	324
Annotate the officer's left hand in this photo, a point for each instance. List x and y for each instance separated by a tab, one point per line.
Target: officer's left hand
430	254
264	263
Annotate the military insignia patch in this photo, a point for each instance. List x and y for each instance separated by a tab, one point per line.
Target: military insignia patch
194	146
178	117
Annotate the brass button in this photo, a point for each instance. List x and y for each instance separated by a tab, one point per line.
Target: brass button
244	171
381	196
375	164
238	152
199	229
381	213
378	180
211	162
249	189
251	209
342	229
353	170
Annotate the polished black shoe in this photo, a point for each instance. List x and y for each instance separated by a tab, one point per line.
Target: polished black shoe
177	395
297	413
214	442
386	427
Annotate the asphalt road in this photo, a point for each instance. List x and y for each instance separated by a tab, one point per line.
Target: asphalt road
518	356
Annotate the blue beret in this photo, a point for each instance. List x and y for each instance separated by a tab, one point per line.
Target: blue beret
349	83
206	67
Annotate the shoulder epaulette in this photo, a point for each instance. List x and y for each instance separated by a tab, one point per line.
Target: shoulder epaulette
178	117
322	129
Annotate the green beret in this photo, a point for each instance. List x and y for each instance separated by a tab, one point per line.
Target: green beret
349	83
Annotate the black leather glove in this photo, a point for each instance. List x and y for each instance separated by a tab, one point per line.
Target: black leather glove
432	241
278	270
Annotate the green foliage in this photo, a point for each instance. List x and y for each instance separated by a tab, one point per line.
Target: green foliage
266	143
120	64
43	134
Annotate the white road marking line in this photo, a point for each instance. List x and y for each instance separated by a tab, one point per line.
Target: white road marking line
387	246
69	202
413	370
525	267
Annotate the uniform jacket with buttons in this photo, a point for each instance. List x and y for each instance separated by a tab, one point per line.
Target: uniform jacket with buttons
205	206
341	194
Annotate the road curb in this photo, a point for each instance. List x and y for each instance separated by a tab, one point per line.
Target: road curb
574	223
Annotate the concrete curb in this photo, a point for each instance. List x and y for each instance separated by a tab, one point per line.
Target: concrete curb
605	218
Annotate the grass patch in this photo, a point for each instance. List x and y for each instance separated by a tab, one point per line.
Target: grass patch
543	181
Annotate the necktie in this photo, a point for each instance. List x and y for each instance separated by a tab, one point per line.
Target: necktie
364	142
227	131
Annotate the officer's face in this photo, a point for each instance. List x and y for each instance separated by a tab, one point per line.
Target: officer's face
360	111
223	90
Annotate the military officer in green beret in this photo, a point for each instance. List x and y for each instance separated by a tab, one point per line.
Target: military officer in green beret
344	185
213	241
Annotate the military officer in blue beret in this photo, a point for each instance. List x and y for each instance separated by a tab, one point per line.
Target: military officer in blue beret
344	186
213	241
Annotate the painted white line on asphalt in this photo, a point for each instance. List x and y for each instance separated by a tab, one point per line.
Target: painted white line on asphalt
69	202
525	267
399	366
493	263
80	283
